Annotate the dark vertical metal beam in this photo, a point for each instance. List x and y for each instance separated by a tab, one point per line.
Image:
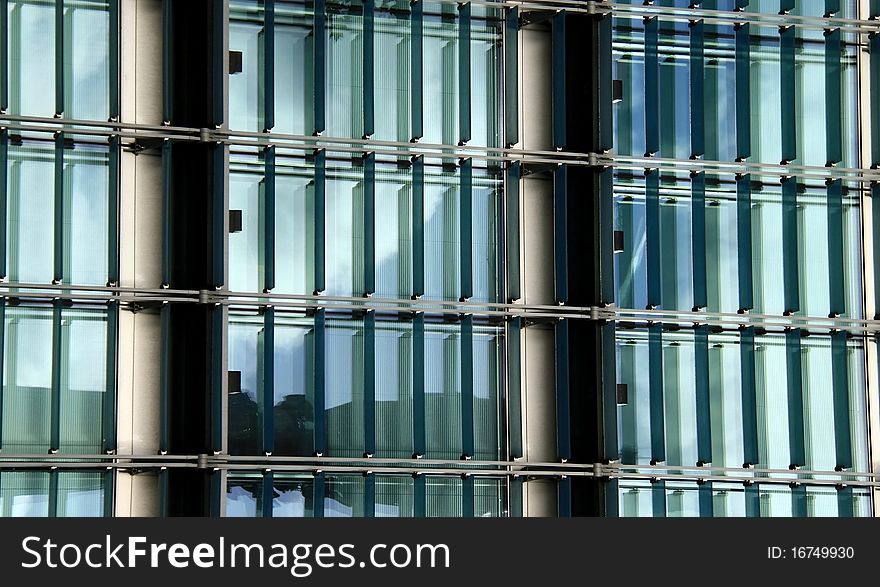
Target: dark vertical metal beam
267	397
319	415
3	345
467	386
467	496
319	70
320	208
514	387
559	76
4	56
788	93
697	78
113	58
466	214
268	65
368	69
743	92
511	76
4	199
59	58
419	439
790	260
464	73
511	194
749	396
167	56
108	420
416	50
370	383
369	224
833	96
655	387
703	406
418	225
560	233
220	61
318	492
836	258
218	377
268	205
164	379
268	496
652	87
652	232
420	496
840	389
744	241
563	395
794	372
698	238
113	195
55	390
58	242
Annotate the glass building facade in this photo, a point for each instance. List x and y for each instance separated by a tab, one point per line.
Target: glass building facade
409	258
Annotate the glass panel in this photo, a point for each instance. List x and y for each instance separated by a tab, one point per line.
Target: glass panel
80	495
24	494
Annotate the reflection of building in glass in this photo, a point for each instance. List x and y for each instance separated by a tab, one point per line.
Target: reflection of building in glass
438	258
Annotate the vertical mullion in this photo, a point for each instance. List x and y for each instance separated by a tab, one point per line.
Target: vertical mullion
219	62
753	500
840	386
558	79
793	363
319	415
2	363
874	102
467	386
749	396
219	213
560	233
698	237
268	243
744	240
658	498
743	92
268	493
318	495
514	391
218	373
652	234
167	51
512	186
652	87
836	263
875	221
53	493
418	224
516	497
832	7
166	211
467	496
833	97
369	495
790	238
420	491
268	64
845	505
369	224
698	131
165	378
564	497
320	205
4	190
655	390
114	60
703	409
368	65
464	73
370	383
108	422
108	477
606	96
319	70
55	401
59	58
113	213
799	501
707	509
466	239
267	398
4	56
511	76
59	209
419	384
788	93
563	398
416	50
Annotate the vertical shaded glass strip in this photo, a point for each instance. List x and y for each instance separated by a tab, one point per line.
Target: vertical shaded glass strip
558	79
698	237
743	93
217	375
4	56
113	212
845	505
109	407
55	399
511	76
164	377
467	385
753	500
53	491
658	498
799	507
749	396
512	234
318	495
788	93
420	496
790	270
833	97
268	65
836	262
564	497
167	51
320	192
464	73
698	131
113	57
369	495
467	232
418	224
704	416
59	59
840	383
563	398
269	219
793	365
416	49
467	496
369	223
108	479
369	60
418	362
319	416
59	208
652	87
744	241
514	388
268	493
4	189
319	70
655	390
652	231
267	397
707	509
219	214
516	497
560	232
370	383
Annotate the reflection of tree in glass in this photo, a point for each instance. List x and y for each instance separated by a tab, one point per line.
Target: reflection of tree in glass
294	422
244	425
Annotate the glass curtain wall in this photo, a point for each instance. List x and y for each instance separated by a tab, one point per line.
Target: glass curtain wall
739	244
58	195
